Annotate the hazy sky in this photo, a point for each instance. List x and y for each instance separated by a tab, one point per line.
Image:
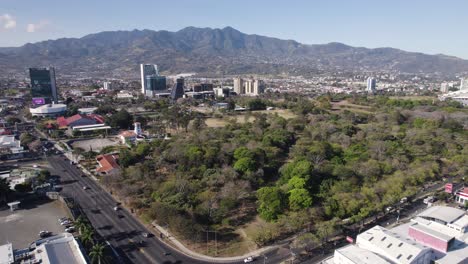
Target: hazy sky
429	26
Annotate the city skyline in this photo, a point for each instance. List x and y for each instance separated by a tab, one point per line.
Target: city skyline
421	26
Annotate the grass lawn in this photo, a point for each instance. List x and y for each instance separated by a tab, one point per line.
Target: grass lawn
245	117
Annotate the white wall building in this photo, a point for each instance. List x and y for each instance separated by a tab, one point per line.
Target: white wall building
371	84
464	84
48	110
107	85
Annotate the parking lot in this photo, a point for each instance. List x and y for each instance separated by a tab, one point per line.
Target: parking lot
95	144
22	226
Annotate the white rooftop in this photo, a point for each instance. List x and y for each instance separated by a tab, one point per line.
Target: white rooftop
6	254
437	229
391	245
461	222
358	256
60	249
443	213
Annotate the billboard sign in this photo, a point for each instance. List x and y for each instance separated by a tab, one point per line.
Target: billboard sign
449	187
38	101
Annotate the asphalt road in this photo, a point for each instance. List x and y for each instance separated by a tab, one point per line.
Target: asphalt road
123	232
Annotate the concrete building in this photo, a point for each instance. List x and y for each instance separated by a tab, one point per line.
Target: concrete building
239	86
6	254
48	110
459	96
371	84
393	247
62	248
107	85
222	92
43	85
437	235
464	84
352	254
444	87
19	176
10	148
147	70
252	87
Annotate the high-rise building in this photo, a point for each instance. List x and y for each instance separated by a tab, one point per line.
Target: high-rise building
107	85
258	87
239	86
146	70
444	87
464	84
137	128
43	85
154	83
178	89
371	85
248	86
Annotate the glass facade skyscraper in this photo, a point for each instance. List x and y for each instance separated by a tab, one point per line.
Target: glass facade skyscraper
147	70
178	89
43	85
154	84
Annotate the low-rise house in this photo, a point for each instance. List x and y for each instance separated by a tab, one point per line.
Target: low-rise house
107	164
127	137
461	196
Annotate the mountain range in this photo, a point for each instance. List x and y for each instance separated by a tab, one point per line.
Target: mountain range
116	54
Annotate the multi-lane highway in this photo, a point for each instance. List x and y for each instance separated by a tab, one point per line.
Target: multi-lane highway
120	228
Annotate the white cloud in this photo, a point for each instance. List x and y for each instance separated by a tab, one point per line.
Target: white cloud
31	28
7	21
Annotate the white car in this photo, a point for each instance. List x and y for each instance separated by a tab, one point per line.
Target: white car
66	222
70	229
248	260
35	166
85	187
116	208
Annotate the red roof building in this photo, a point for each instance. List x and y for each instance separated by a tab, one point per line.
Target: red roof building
79	120
107	164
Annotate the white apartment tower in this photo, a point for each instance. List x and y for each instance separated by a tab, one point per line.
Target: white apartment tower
147	70
464	84
371	85
107	86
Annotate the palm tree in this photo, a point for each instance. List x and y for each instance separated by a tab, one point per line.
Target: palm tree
87	236
97	253
80	224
